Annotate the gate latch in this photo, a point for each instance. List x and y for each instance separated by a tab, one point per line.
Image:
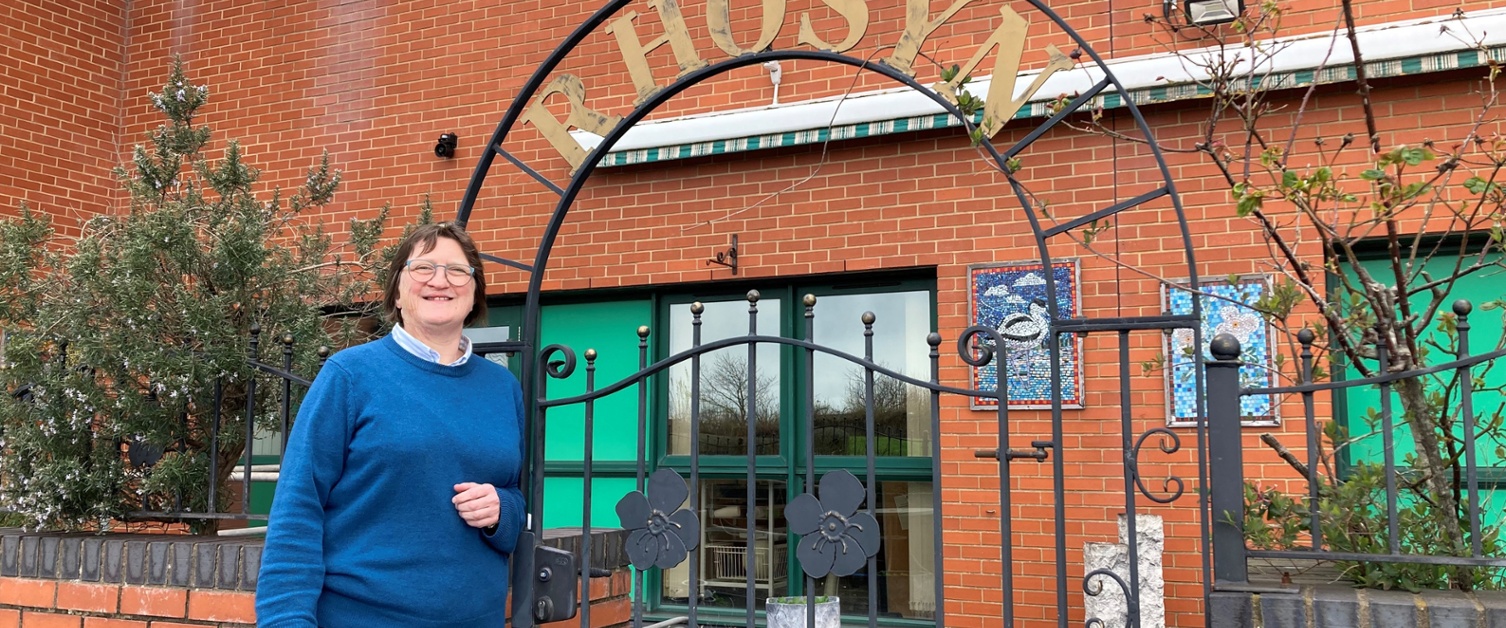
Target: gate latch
1039	455
554	584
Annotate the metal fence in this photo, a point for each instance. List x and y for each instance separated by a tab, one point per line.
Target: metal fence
287	386
274	385
1359	507
837	526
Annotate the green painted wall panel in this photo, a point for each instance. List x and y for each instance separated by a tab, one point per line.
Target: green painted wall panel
261	501
612	330
1485	334
1362	404
563	506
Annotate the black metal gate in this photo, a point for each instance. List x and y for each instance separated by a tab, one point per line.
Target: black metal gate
838	532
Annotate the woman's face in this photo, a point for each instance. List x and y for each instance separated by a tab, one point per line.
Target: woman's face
435	303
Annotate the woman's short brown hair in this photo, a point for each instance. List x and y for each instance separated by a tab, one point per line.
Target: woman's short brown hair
423	240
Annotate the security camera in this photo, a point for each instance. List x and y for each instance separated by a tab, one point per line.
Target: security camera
446	146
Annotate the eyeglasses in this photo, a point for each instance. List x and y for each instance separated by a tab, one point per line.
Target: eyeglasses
458	275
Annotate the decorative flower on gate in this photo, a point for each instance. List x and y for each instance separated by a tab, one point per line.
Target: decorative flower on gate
662	534
835	537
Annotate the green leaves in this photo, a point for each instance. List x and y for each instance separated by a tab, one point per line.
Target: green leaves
21	254
1270	156
121	335
969	104
1247	199
1284	296
1476	185
1409	155
948	74
1091	230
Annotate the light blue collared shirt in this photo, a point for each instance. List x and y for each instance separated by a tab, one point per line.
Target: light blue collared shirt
417	348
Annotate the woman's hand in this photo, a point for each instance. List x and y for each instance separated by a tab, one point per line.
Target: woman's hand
477	504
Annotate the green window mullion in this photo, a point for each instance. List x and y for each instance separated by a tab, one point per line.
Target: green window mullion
724	465
913	468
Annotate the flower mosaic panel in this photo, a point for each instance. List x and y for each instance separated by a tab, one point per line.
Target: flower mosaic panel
1012	298
1229	311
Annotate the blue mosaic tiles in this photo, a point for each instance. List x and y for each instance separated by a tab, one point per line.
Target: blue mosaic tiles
1012	298
1226	312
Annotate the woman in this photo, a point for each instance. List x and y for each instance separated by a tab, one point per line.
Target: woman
398	501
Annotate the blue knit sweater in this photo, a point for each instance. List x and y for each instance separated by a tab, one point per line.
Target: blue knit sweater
362	530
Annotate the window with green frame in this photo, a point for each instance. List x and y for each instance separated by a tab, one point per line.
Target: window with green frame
783	390
904	308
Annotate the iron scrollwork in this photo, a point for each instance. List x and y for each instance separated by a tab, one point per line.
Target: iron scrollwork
663	535
558	369
1092	584
975	353
1170	443
835	537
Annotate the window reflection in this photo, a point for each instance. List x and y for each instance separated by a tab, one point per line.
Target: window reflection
725	393
901	412
842	400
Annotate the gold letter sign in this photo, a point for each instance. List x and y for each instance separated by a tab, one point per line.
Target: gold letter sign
719	23
856	14
917	29
558	133
635	53
1001	104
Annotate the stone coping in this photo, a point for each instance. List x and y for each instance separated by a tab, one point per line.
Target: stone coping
199	562
1337	605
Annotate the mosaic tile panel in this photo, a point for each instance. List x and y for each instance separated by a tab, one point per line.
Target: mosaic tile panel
1227	311
1012	299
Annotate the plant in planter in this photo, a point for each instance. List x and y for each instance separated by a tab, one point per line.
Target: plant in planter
791	612
116	340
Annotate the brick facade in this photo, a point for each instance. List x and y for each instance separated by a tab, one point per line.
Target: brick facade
61	71
376	83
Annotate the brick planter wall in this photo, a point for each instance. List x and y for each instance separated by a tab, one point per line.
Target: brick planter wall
1334	605
143	581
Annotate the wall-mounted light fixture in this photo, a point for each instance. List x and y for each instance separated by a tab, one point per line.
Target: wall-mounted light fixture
446	146
1202	12
775	73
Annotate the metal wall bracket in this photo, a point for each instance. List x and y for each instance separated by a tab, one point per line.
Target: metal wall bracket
1039	455
727	258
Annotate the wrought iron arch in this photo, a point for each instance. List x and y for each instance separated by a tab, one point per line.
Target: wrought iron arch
1044	235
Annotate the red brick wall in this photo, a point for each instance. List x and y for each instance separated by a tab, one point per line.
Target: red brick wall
29	603
32	603
375	83
61	66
